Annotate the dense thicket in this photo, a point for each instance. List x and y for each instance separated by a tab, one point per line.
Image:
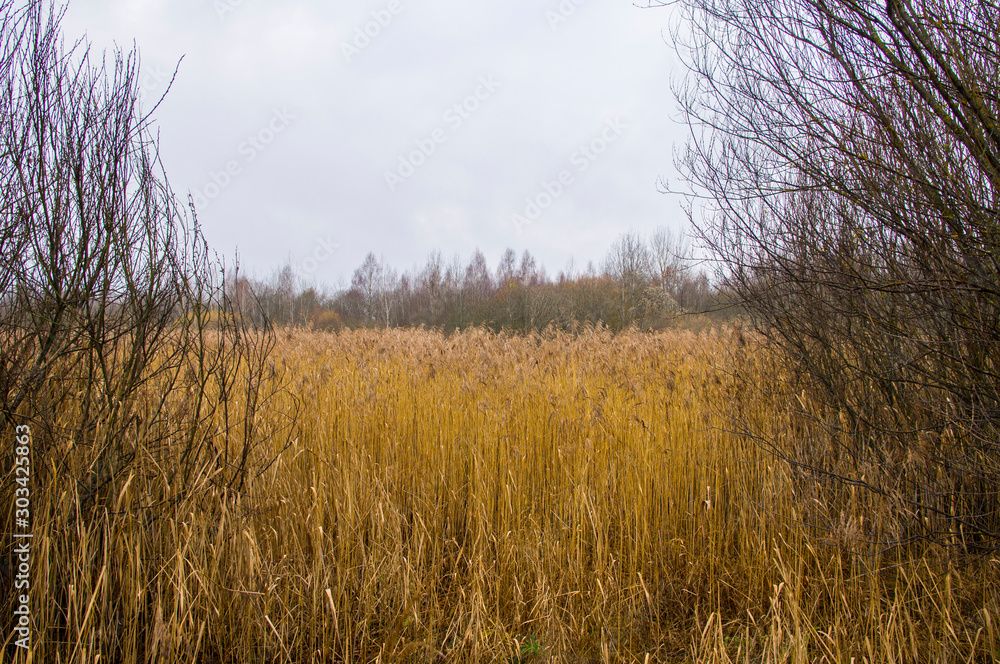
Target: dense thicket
847	156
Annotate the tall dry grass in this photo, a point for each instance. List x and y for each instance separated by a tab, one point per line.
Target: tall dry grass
480	497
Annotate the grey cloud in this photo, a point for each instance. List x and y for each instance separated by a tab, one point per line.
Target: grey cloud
323	176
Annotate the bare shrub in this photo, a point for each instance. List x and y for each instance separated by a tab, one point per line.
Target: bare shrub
848	159
120	346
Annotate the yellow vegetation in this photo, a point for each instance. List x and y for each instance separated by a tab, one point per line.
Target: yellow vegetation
486	498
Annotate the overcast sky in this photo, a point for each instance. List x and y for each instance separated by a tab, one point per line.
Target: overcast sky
319	131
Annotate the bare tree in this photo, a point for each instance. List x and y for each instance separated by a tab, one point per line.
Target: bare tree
120	343
375	283
527	274
102	271
388	286
668	254
478	282
847	158
432	283
506	269
630	265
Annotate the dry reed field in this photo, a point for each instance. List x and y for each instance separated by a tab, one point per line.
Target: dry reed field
498	498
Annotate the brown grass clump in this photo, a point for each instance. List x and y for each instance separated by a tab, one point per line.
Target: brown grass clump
483	498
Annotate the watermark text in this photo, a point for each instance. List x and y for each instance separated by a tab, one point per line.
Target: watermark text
248	150
580	160
426	146
22	536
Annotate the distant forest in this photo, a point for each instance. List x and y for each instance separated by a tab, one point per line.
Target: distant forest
649	284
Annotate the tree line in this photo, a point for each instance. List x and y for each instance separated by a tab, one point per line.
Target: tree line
640	282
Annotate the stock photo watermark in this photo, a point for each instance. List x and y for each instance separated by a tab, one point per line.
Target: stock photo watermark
562	13
225	7
580	160
322	252
22	537
454	117
248	150
364	34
